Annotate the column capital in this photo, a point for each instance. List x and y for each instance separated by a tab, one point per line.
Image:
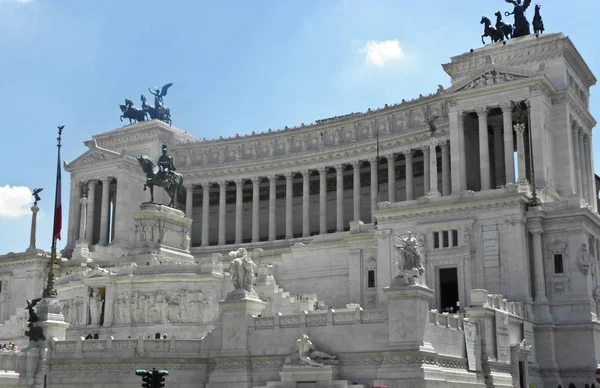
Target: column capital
373	160
338	167
356	164
92	182
83	200
519	128
586	139
391	156
255	180
507	107
408	154
221	183
288	175
444	144
238	181
482	111
305	172
189	186
272	177
425	148
536	231
205	185
574	125
106	179
323	170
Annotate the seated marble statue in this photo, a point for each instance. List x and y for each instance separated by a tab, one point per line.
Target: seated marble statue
309	354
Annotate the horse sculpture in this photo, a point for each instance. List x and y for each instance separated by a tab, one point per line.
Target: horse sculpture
538	23
490	31
171	181
131	112
505	29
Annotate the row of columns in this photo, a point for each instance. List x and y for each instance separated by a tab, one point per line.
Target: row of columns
85	214
584	172
459	179
431	188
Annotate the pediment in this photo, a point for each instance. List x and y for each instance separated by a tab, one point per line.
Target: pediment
91	157
490	77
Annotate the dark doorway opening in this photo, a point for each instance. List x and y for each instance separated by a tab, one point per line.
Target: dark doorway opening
449	290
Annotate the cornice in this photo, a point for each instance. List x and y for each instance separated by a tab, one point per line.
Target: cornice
445	208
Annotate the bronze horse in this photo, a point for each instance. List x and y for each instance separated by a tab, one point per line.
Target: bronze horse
172	181
131	112
490	31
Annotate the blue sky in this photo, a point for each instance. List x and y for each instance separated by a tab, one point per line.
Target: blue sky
237	67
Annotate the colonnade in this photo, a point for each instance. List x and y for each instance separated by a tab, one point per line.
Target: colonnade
585	182
431	188
84	220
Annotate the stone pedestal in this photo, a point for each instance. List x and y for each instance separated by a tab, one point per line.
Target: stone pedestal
236	315
408	306
161	232
51	319
81	253
294	376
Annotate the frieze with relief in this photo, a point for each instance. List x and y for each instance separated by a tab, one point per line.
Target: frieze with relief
491	78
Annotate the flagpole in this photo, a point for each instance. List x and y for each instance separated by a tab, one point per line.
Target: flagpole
50	291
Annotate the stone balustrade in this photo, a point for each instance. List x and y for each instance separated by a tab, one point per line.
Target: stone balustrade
481	298
331	317
141	344
11	361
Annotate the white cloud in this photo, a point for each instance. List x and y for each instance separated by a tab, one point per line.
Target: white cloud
379	53
14	201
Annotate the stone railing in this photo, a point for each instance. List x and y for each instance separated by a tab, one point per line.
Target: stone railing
451	321
331	317
481	298
12	361
139	345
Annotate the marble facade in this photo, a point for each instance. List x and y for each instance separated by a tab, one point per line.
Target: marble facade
317	208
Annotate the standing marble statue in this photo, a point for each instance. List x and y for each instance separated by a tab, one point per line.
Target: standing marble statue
242	270
96	302
410	259
309	354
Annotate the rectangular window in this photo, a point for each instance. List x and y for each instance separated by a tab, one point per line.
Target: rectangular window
436	240
454	238
558	264
371	278
445	239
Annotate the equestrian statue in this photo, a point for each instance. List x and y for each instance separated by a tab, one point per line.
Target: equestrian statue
163	175
490	31
538	23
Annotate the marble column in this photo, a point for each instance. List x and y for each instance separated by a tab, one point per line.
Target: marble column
584	178
222	204
91	201
391	177
538	265
522	174
305	203
34	212
83	219
104	216
577	159
499	173
408	157
356	189
72	229
509	157
426	170
323	199
205	213
113	215
189	205
272	203
433	170
189	201
462	151
590	178
255	209
457	157
484	150
239	184
445	168
592	174
289	203
339	197
374	164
